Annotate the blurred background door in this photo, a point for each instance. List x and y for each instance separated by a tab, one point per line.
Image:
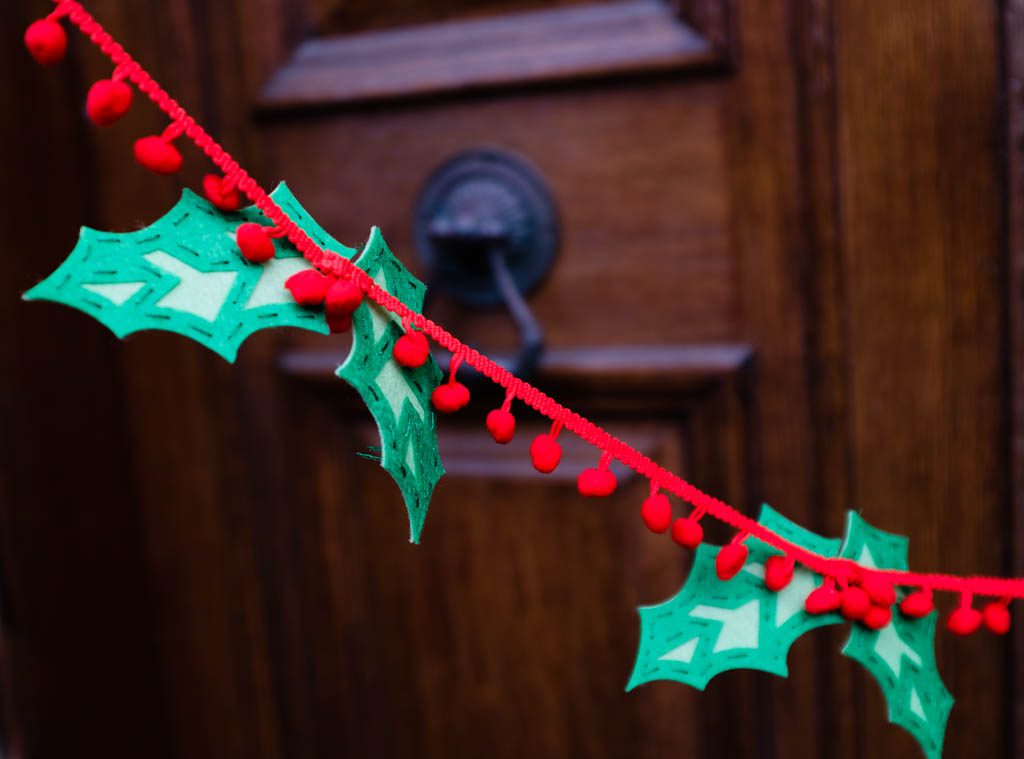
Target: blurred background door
790	270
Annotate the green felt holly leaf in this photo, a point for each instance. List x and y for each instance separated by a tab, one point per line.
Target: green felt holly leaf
398	398
184	274
713	626
900	656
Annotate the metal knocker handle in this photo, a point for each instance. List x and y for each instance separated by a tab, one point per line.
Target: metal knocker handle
487	228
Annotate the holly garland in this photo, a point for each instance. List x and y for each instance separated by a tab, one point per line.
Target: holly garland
217	273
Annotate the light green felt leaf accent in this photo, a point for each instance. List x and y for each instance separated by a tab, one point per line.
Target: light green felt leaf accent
398	398
184	274
713	626
900	656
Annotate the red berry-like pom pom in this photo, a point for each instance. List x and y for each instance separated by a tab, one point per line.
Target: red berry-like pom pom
596	483
46	41
344	297
657	513
730	560
450	397
778	572
918	604
997	618
108	101
879	591
339	323
823	600
308	287
221	194
157	155
964	620
687	532
412	351
877	617
545	453
254	243
502	425
854	603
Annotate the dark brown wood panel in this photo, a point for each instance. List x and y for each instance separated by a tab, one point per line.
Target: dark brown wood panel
347	16
373	165
1013	93
920	203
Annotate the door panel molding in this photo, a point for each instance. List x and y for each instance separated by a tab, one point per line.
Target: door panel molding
629	37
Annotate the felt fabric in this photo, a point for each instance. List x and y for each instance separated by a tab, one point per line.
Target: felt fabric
398	398
713	626
184	274
901	655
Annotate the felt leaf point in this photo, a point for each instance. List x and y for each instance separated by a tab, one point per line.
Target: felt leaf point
398	397
183	274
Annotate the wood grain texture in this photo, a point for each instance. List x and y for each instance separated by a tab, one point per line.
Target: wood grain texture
835	209
1013	135
623	38
348	16
918	110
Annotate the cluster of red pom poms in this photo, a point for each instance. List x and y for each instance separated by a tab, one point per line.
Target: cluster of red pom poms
868	601
338	297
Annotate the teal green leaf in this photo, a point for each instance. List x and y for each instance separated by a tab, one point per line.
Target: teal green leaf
398	398
713	626
900	656
184	274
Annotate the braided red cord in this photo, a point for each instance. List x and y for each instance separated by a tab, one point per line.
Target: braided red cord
330	263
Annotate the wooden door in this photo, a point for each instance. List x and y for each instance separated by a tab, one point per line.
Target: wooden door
788	233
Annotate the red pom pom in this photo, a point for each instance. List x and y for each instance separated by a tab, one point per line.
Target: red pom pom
502	425
877	617
730	560
545	452
157	155
254	243
596	483
221	194
308	287
46	41
854	603
997	618
778	572
339	323
450	397
687	532
964	620
412	351
918	604
879	590
823	600
657	513
108	101
344	297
